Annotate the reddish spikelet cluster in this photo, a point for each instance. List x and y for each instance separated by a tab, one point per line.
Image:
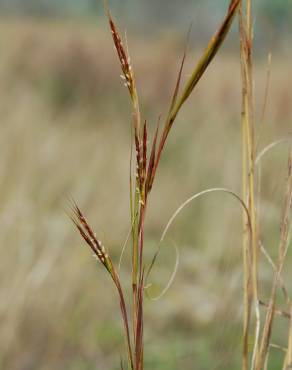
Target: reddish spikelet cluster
145	167
144	153
141	159
139	155
125	61
100	253
90	238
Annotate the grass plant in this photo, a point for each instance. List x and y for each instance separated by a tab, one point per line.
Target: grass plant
145	160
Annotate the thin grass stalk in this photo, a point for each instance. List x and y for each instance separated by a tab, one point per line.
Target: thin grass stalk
246	55
140	322
274	268
129	81
288	357
245	236
139	319
125	321
282	252
266	98
282	313
249	21
247	300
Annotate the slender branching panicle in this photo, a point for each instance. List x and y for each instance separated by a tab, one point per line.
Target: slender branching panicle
124	58
90	238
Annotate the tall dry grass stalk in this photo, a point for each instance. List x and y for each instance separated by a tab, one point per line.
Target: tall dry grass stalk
262	329
250	250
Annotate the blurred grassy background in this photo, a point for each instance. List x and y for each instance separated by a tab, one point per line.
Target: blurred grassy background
65	130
